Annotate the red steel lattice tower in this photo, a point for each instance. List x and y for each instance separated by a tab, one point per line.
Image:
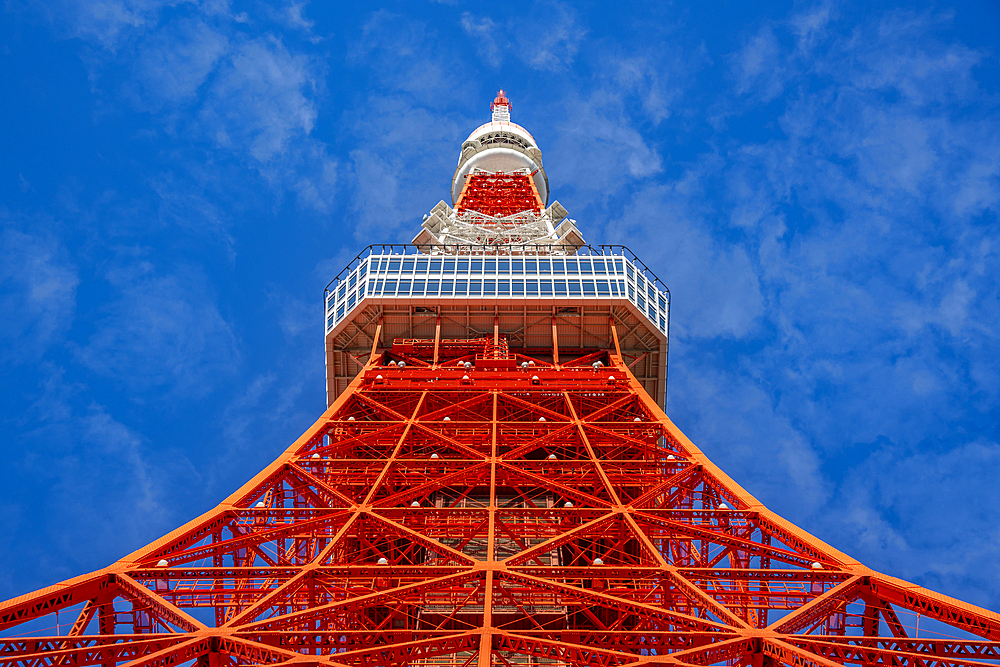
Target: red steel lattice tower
493	483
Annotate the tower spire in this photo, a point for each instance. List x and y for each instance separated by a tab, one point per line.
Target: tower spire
500	108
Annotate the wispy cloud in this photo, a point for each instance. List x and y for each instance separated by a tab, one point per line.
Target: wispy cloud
175	62
260	100
163	331
546	38
38	284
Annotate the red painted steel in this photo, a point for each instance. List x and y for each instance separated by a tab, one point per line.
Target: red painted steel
490	509
499	195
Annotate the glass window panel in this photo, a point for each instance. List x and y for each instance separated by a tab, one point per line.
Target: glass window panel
663	324
614	287
352	281
651	292
418	287
435	266
621	286
404	288
329	323
598	265
651	311
361	289
475	287
491	266
532	288
631	292
517	287
340	312
571	266
588	288
503	266
489	287
449	266
560	286
503	287
463	266
574	288
517	265
531	266
421	266
407	266
630	271
546	286
544	266
585	266
641	303
363	269
432	287
663	302
350	300
394	265
461	287
477	266
447	286
378	287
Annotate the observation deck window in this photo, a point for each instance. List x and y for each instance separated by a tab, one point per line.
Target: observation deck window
501	277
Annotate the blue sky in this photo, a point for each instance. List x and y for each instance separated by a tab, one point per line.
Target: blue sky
818	183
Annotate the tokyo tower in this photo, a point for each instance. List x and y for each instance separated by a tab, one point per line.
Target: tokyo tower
494	483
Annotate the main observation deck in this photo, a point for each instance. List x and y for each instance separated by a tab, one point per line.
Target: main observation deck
564	303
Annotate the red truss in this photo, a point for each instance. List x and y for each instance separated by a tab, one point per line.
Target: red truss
499	195
478	506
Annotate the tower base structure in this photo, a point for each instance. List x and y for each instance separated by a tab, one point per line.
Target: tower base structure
463	503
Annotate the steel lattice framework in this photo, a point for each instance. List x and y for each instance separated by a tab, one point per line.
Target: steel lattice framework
485	500
519	512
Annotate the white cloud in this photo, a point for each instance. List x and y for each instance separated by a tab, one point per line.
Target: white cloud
162	331
759	66
403	168
484	33
261	100
107	22
931	518
546	38
176	61
598	150
38	286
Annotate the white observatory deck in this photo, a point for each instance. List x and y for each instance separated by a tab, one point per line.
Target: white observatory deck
528	294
